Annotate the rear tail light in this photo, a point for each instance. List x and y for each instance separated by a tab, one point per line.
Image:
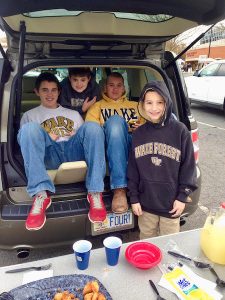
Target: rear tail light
194	136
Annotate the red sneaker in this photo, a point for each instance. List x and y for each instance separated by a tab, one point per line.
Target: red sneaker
36	218
97	212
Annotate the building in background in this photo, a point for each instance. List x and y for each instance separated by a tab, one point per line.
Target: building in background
211	47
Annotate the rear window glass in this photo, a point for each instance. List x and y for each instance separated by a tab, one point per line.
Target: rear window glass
134	80
131	16
221	71
209	70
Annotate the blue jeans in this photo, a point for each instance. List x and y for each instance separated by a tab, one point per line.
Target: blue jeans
118	142
40	152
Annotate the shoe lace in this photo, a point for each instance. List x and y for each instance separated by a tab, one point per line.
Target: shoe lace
38	205
97	203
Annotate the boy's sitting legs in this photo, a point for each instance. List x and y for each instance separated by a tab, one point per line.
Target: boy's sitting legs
117	150
38	148
36	218
33	140
119	202
97	212
88	145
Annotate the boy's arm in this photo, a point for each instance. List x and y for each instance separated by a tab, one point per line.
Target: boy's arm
136	208
24	119
133	178
178	208
187	173
93	114
87	104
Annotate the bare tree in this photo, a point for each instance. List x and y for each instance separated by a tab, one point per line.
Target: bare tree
174	45
180	42
220	26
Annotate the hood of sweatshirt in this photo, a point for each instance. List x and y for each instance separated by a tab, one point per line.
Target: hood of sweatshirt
161	88
120	100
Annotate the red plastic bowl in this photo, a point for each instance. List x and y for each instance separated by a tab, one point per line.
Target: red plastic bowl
143	255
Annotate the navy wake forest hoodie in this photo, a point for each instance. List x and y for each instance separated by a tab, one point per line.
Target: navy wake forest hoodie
161	166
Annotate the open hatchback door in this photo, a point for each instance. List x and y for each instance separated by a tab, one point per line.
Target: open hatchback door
129	28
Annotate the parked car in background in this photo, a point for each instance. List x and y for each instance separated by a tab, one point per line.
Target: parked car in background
207	86
106	36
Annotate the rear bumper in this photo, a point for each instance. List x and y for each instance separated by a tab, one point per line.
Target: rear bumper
67	221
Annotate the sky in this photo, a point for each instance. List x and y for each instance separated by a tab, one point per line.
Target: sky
190	35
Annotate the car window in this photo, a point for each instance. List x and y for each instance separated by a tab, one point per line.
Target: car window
151	75
221	71
154	18
209	70
60	73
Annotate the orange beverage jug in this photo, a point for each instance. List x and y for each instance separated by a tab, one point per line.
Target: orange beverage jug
212	238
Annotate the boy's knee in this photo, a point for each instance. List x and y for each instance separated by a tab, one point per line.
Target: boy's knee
92	128
116	120
30	129
116	123
30	126
116	126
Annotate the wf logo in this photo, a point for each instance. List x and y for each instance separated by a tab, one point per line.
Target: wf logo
156	161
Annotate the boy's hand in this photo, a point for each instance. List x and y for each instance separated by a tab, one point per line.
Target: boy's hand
70	133
53	136
87	104
137	210
178	208
136	125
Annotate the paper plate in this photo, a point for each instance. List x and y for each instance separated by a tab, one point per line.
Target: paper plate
143	255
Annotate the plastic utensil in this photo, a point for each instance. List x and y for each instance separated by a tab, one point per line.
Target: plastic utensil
198	264
143	255
219	282
156	290
45	267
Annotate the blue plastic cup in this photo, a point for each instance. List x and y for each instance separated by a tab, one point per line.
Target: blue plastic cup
82	249
112	246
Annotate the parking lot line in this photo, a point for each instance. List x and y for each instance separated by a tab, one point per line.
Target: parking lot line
221	128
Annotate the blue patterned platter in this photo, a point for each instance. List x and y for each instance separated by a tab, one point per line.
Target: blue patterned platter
45	289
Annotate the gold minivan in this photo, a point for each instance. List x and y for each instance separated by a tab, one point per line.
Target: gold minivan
126	36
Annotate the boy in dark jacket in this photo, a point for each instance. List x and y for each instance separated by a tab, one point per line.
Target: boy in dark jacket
80	90
161	168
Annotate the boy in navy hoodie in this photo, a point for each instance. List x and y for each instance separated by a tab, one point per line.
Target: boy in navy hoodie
161	167
80	90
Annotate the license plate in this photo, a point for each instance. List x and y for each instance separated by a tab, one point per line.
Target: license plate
114	222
